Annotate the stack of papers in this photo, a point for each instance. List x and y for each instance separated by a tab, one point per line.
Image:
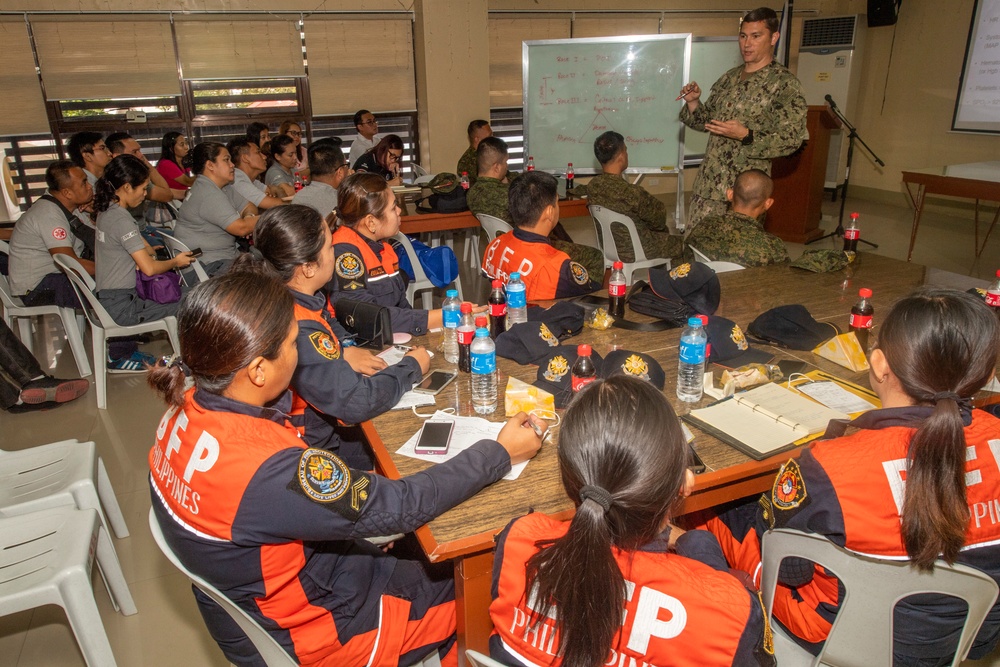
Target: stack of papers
467	432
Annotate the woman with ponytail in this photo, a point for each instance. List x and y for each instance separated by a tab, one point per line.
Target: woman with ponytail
618	584
279	527
333	380
121	249
917	479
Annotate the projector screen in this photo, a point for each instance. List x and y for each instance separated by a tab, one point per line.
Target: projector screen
977	108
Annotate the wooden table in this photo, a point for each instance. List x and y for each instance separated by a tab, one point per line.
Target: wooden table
465	534
438	222
976	180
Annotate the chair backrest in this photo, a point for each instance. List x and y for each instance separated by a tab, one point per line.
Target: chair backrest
477	659
176	246
418	171
8	299
85	288
699	256
419	275
270	650
604	217
493	225
862	632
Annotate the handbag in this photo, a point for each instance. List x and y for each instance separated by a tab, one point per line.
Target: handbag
162	288
369	322
160	213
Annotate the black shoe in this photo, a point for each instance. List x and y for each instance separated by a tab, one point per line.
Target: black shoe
50	389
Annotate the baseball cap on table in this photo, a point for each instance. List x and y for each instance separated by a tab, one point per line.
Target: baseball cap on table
729	346
633	364
563	317
527	342
555	372
791	326
694	284
822	261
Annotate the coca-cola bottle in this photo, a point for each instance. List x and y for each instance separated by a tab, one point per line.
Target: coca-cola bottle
616	291
569	176
531	164
993	295
584	372
498	309
861	317
465	180
852	233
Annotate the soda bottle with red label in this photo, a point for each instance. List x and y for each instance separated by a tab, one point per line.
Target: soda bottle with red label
498	309
993	295
584	372
616	291
852	233
465	333
531	164
861	317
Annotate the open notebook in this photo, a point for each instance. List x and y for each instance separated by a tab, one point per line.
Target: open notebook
765	420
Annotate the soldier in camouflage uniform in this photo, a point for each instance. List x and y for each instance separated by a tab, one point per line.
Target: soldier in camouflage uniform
478	130
613	192
738	236
754	113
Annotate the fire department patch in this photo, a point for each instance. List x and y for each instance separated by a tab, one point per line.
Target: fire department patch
580	276
680	271
557	368
545	334
59	234
322	476
635	366
737	337
325	344
349	266
789	488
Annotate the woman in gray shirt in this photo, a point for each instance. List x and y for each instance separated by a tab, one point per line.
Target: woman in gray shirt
281	172
121	248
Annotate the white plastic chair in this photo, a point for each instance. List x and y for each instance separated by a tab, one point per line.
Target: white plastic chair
493	226
717	266
421	283
68	472
861	635
603	217
176	247
14	309
46	558
477	659
104	327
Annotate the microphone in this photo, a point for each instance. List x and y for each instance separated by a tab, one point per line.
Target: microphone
830	101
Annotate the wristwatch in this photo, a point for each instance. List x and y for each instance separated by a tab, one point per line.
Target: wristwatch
747	140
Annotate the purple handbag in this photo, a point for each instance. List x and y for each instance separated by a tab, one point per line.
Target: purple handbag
162	288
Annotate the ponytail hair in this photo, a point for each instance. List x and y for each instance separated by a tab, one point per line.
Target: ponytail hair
284	238
223	325
124	169
942	347
622	457
361	195
203	153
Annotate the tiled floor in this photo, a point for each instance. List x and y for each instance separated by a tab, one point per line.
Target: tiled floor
168	629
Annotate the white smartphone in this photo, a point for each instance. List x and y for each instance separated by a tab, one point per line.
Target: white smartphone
435	437
434	382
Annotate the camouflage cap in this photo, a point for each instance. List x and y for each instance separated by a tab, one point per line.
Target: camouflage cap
822	261
443	183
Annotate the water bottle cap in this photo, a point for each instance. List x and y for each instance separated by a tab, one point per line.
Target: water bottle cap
583	350
694	322
451	294
855	215
466	307
497	284
864	293
482	332
481	321
515	276
618	266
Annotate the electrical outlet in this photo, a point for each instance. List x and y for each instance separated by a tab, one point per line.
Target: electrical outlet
133	116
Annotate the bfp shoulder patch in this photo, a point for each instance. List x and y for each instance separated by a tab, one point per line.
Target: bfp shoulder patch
325	344
349	266
322	476
789	489
580	275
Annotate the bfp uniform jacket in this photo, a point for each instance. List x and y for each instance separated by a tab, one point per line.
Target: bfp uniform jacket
851	490
326	388
547	273
678	612
279	529
369	271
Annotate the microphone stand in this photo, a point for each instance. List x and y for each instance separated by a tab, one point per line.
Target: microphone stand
851	136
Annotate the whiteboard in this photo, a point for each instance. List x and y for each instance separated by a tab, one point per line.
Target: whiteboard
977	108
711	57
576	89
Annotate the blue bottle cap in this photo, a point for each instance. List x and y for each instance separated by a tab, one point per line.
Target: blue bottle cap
694	322
482	333
452	293
515	276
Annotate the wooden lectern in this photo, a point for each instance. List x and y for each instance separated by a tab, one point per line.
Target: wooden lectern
799	180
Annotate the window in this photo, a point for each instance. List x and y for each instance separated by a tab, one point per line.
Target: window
116	110
245	97
402	125
508	124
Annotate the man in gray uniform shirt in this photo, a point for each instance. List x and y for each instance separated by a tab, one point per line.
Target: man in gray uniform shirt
328	169
89	152
246	190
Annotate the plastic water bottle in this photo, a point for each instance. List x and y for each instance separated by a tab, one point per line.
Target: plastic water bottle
569	176
531	164
517	301
852	233
862	315
993	295
616	291
691	362
484	372
465	180
465	333
498	310
451	314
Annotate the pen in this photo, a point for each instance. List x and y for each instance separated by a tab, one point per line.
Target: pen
403	348
680	97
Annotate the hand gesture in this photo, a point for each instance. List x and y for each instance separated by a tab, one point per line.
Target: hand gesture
518	437
733	129
691	93
424	359
184	260
363	361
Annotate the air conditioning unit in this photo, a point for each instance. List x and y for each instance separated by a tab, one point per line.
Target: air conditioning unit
830	58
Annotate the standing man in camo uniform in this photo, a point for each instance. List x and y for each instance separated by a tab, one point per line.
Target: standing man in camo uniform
755	113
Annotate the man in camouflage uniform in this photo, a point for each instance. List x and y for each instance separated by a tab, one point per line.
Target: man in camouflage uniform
489	195
755	113
738	236
478	130
610	190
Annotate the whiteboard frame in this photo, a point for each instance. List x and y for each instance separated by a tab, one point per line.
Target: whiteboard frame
623	39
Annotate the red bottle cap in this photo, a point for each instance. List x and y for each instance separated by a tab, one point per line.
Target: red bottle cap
465	173
704	320
466	307
865	293
618	266
497	283
855	216
481	322
998	273
583	350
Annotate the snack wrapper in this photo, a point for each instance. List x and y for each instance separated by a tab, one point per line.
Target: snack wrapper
523	397
599	319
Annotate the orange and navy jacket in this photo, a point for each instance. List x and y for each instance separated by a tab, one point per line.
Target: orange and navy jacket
547	273
678	612
325	387
279	527
369	271
851	489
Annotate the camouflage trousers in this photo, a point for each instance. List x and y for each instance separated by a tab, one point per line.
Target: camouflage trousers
701	208
592	259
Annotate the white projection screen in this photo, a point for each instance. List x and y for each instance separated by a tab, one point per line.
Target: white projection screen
977	108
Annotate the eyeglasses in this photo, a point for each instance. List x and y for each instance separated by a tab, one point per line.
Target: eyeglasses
295	133
395	157
370	122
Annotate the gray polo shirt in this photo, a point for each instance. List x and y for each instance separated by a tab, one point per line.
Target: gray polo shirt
202	221
90	178
117	239
41	228
320	196
243	191
277	175
360	146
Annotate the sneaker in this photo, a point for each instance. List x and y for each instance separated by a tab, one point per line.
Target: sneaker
136	363
53	390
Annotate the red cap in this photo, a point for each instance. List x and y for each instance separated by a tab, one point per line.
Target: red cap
465	173
998	273
571	164
704	320
865	293
617	266
466	307
481	322
583	350
497	283
855	215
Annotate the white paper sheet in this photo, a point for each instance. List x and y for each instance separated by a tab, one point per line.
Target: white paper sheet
835	397
413	399
468	431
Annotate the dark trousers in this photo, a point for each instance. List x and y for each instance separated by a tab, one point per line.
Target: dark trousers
52	290
17	367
